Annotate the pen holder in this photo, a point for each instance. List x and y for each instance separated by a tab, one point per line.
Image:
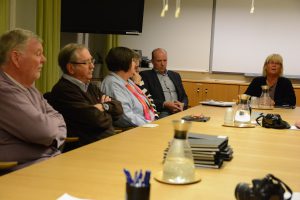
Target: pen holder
137	193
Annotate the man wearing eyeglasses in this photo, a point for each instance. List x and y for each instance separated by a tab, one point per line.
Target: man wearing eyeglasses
87	111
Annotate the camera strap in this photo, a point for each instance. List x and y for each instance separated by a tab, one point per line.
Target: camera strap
272	177
258	119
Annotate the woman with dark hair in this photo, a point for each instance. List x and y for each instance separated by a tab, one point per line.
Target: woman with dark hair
137	107
280	88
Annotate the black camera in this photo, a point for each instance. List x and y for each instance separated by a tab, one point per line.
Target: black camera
272	121
268	188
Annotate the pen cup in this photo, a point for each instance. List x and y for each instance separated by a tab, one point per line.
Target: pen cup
137	193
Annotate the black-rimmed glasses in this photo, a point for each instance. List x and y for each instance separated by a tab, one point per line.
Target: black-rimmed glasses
88	62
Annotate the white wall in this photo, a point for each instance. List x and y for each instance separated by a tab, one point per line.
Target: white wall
242	40
23	14
187	38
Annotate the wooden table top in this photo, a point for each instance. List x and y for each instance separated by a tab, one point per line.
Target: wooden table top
96	170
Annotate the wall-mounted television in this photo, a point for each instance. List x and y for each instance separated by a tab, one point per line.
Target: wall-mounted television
102	16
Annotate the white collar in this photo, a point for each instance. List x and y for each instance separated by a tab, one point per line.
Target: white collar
83	86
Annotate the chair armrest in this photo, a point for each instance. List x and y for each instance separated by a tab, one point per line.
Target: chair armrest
71	139
7	165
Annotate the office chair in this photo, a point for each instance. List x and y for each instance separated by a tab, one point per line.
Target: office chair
5	166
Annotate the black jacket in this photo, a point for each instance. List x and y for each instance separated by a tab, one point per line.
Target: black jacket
153	85
284	92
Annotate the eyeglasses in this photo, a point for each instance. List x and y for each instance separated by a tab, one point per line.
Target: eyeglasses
88	62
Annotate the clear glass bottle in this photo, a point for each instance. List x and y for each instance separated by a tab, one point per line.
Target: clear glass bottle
265	101
228	116
243	113
179	163
254	102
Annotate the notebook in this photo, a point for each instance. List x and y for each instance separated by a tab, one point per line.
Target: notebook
218	103
207	141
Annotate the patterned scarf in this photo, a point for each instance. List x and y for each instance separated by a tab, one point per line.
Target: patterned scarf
137	92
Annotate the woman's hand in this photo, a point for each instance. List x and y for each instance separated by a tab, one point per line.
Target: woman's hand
136	78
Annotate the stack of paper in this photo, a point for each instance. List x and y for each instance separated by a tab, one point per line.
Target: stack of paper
218	103
208	150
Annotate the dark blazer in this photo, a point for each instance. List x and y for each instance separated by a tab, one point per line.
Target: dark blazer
153	85
284	92
82	118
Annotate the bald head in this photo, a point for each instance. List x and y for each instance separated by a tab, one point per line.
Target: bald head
159	60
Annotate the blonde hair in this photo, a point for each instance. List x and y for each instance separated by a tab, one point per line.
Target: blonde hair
273	58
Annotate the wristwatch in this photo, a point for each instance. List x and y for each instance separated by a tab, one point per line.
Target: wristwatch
105	106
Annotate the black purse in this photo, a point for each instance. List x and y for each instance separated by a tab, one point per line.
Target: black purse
272	121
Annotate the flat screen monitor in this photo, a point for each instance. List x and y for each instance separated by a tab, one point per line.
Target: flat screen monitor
102	16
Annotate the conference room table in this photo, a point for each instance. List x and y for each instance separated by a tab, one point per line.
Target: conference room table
95	171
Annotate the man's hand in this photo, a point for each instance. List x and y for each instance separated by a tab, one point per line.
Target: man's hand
181	105
99	107
104	99
174	107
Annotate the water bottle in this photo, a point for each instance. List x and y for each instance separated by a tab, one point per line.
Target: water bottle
179	163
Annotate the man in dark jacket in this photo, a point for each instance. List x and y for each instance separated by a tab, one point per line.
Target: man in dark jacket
164	85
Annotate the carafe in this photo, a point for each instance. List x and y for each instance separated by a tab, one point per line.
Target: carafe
265	101
242	113
179	163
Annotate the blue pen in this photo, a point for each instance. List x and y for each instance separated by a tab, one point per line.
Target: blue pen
139	178
128	177
146	178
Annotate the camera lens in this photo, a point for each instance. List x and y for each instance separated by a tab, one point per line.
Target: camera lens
242	191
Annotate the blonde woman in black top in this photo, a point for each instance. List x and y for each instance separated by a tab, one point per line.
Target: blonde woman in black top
281	89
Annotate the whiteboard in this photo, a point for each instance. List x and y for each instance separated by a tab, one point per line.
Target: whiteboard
242	40
186	39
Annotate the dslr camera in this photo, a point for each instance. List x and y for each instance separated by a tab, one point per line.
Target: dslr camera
272	121
268	188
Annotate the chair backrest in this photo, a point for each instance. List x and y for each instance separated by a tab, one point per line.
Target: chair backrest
48	97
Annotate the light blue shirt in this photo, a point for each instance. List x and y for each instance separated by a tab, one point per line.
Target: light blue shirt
168	87
114	86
